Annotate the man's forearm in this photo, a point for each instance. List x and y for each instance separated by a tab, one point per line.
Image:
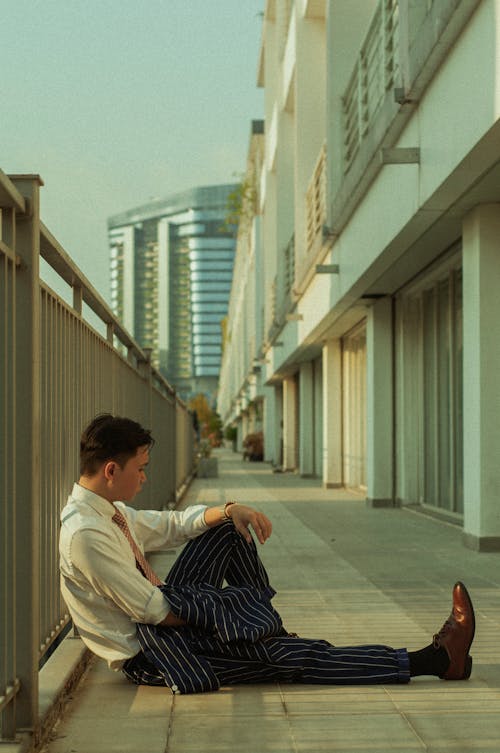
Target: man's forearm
214	516
243	517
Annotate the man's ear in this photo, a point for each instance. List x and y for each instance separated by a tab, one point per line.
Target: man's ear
109	470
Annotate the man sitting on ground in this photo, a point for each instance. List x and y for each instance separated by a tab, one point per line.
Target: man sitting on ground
189	632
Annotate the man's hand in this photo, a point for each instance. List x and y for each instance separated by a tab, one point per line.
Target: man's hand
243	517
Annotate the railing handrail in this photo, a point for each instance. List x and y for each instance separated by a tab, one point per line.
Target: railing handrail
60	261
281	291
9	195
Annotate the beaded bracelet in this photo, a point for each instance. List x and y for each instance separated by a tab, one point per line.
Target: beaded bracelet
225	515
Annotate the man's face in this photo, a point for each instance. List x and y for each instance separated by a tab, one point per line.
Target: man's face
128	481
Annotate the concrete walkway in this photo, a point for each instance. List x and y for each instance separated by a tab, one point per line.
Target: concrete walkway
343	572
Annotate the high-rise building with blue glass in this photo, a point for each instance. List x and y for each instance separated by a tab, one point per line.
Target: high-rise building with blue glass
171	272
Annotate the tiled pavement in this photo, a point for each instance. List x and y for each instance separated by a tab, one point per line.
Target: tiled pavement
343	572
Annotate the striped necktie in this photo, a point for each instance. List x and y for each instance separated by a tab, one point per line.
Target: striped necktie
142	564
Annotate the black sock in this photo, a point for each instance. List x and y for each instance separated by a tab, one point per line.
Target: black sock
429	661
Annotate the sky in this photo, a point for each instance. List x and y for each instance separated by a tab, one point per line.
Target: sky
117	102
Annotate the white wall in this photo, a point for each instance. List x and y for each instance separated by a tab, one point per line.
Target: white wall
468	82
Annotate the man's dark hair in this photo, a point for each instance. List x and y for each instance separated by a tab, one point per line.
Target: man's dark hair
110	437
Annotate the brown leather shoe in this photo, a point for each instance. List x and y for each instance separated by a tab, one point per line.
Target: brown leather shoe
457	634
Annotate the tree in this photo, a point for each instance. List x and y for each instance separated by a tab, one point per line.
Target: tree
209	421
199	403
240	205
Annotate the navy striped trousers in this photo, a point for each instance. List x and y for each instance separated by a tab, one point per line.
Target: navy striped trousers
235	636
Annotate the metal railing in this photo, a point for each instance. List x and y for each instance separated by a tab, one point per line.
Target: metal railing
289	274
281	290
316	201
185	455
56	373
374	74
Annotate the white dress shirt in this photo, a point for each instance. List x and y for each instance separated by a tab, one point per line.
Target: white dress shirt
105	592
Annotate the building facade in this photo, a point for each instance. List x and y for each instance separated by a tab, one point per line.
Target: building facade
377	226
171	272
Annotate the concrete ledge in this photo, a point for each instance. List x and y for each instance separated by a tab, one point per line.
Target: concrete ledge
481	543
61	673
181	491
382	502
58	678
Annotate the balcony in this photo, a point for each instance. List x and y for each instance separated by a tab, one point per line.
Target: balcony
282	300
316	203
405	45
375	73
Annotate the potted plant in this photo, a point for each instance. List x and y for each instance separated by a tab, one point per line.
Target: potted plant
207	465
231	434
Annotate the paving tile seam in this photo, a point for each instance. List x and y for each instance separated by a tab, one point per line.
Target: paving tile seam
457	701
287	718
413	731
450	714
170	725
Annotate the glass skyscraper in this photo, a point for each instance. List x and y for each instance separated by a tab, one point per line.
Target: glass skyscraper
171	271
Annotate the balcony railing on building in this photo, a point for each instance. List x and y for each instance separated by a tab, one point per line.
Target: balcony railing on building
282	300
56	372
406	44
316	202
375	73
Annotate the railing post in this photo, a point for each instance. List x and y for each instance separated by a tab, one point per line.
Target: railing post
78	299
144	365
361	96
385	40
7	465
404	43
175	449
27	407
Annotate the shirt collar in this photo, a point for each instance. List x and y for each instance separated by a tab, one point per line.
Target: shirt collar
97	503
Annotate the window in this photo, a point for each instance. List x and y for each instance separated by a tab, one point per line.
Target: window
429	392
